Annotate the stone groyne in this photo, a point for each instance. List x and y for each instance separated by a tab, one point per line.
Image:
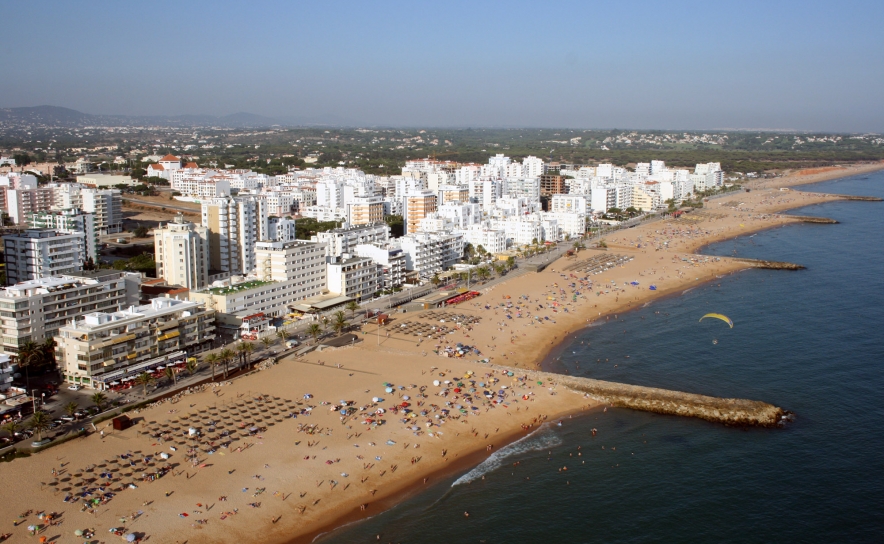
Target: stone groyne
848	197
812	219
663	401
772	265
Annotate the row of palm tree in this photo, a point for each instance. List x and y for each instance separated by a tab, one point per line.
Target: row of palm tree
37	356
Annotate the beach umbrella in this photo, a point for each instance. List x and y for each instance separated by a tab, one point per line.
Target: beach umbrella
389	390
78	532
130	537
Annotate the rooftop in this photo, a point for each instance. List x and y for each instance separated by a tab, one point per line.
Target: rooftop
157	307
226	290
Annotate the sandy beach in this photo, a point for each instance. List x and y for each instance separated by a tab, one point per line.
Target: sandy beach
295	449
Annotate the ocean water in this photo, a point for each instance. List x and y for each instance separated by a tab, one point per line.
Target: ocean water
810	341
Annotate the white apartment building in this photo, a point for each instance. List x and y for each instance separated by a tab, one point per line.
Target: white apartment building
428	253
104	347
345	239
492	240
461	214
485	192
106	205
181	251
66	196
533	167
280	230
234	224
568	204
572	224
355	277
66	222
322	213
528	188
38	253
519	231
390	259
35	310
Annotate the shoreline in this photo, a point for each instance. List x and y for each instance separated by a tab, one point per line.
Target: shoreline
355	373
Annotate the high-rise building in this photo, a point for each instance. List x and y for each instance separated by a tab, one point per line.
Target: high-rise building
234	226
35	310
38	253
365	210
106	205
68	221
181	251
552	184
416	206
345	239
22	202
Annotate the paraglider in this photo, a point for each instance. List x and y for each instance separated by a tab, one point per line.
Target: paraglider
724	318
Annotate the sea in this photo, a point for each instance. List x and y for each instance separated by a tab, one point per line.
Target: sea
810	341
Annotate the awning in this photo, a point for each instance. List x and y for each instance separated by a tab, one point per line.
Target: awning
172	358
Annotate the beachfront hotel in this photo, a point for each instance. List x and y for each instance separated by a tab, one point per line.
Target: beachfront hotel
35	310
103	347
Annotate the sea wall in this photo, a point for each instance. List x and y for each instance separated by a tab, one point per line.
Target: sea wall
663	401
772	265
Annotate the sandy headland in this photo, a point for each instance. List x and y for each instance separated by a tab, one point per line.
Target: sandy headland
293	450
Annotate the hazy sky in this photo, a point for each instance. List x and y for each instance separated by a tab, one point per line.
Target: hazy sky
808	65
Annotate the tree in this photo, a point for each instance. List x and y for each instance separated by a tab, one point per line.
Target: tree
191	365
226	356
241	353
266	341
70	408
352	306
29	355
340	322
11	427
250	348
281	335
314	330
468	250
40	423
482	272
99	399
213	360
144	379
171	374
140	231
396	224
511	262
22	159
436	279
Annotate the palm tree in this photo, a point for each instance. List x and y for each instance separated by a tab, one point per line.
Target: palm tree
250	348
70	408
212	359
144	379
241	353
40	423
340	322
12	427
436	279
281	335
352	306
226	356
47	352
314	330
511	262
99	399
28	355
171	374
482	272
191	365
267	341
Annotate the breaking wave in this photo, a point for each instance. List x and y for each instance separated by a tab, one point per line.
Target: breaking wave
541	439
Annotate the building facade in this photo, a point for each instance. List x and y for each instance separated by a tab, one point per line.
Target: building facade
181	251
103	346
39	253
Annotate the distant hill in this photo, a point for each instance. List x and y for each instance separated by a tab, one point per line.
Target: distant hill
56	116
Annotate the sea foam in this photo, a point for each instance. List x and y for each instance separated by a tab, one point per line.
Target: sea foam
541	439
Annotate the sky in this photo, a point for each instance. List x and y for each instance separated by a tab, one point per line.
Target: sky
678	65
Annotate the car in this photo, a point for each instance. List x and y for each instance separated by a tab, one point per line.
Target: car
67	418
75	387
38	443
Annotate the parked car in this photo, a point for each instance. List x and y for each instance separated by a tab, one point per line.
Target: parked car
38	443
75	387
67	418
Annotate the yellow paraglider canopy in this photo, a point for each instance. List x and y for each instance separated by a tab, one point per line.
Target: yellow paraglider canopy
724	318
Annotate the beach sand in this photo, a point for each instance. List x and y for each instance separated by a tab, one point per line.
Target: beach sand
301	482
